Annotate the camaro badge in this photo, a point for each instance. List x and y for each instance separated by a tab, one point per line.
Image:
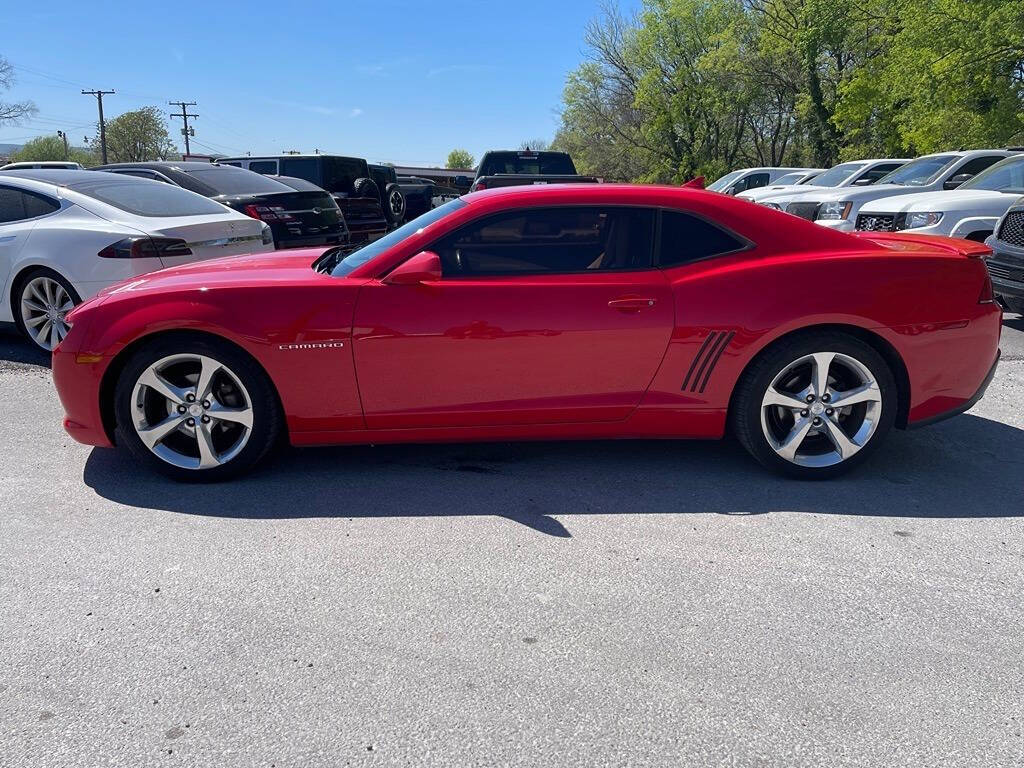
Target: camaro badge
331	344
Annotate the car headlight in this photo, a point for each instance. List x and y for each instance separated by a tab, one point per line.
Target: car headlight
915	220
776	206
835	211
268	235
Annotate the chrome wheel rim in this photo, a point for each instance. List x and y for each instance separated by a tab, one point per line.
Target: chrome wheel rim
396	202
44	305
192	411
821	409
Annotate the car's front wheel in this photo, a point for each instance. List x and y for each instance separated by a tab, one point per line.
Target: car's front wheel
815	405
43	300
196	409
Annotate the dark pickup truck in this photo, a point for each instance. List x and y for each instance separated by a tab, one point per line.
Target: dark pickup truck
512	168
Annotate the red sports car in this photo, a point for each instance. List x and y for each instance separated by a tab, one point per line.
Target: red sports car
558	312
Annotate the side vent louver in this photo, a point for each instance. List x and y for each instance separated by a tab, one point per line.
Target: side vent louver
705	360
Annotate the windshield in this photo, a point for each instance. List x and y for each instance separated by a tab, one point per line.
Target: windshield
1005	176
725	181
146	198
920	172
235	181
837	174
789	178
371	250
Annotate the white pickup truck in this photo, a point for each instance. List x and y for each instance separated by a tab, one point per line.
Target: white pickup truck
970	211
839	208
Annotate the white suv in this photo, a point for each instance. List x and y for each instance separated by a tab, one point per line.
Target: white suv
839	208
856	173
970	212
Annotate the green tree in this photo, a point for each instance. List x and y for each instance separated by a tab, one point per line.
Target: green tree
136	136
537	145
460	159
52	148
12	111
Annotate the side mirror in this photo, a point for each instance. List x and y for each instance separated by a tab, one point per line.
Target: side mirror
867	181
956	181
463	181
424	267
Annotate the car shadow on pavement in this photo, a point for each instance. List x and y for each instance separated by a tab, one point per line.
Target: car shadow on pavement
17	351
968	467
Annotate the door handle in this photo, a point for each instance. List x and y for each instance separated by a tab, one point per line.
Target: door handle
631	303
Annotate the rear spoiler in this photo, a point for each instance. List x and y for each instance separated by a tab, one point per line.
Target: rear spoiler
900	241
695	183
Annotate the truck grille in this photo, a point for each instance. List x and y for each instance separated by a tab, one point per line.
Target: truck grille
882	222
1012	230
807	211
1005	272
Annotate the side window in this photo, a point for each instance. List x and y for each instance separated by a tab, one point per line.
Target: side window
977	165
264	166
142	174
38	205
550	240
229	162
756	180
12	206
16	205
686	238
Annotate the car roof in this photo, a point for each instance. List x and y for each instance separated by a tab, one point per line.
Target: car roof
61	177
181	165
287	157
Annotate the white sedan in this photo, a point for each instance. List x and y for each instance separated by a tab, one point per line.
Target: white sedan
65	235
970	211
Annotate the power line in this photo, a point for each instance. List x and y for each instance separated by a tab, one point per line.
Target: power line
184	115
103	128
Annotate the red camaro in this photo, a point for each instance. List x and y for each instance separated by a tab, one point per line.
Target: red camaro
558	312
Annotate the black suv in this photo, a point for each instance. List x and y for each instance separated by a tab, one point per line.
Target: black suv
346	178
392	197
297	218
1006	264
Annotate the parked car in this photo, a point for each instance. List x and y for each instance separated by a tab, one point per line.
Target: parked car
1006	264
749	178
65	235
970	211
66	165
857	173
543	312
787	181
296	218
418	194
346	178
392	199
839	208
513	168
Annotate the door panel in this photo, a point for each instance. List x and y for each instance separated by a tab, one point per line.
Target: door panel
496	350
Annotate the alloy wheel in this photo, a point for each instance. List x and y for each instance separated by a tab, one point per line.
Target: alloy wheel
44	306
396	202
192	411
821	409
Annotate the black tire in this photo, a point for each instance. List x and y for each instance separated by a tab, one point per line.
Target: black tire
19	289
267	421
394	205
746	410
365	188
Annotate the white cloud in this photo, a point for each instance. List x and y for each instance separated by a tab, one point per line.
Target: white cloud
356	112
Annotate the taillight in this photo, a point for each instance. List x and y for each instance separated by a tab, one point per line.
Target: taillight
268	212
146	248
479	185
988	295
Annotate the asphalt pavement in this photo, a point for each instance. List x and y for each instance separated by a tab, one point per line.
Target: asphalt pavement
577	604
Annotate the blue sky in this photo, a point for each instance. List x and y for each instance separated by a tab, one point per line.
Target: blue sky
401	80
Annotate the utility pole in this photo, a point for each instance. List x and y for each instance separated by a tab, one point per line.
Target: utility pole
64	136
103	129
184	115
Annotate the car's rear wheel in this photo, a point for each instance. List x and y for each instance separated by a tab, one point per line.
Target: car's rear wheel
815	405
196	409
43	300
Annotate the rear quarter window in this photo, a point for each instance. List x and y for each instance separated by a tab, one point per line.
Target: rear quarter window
686	238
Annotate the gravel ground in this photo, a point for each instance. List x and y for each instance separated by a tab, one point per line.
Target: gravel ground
583	604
